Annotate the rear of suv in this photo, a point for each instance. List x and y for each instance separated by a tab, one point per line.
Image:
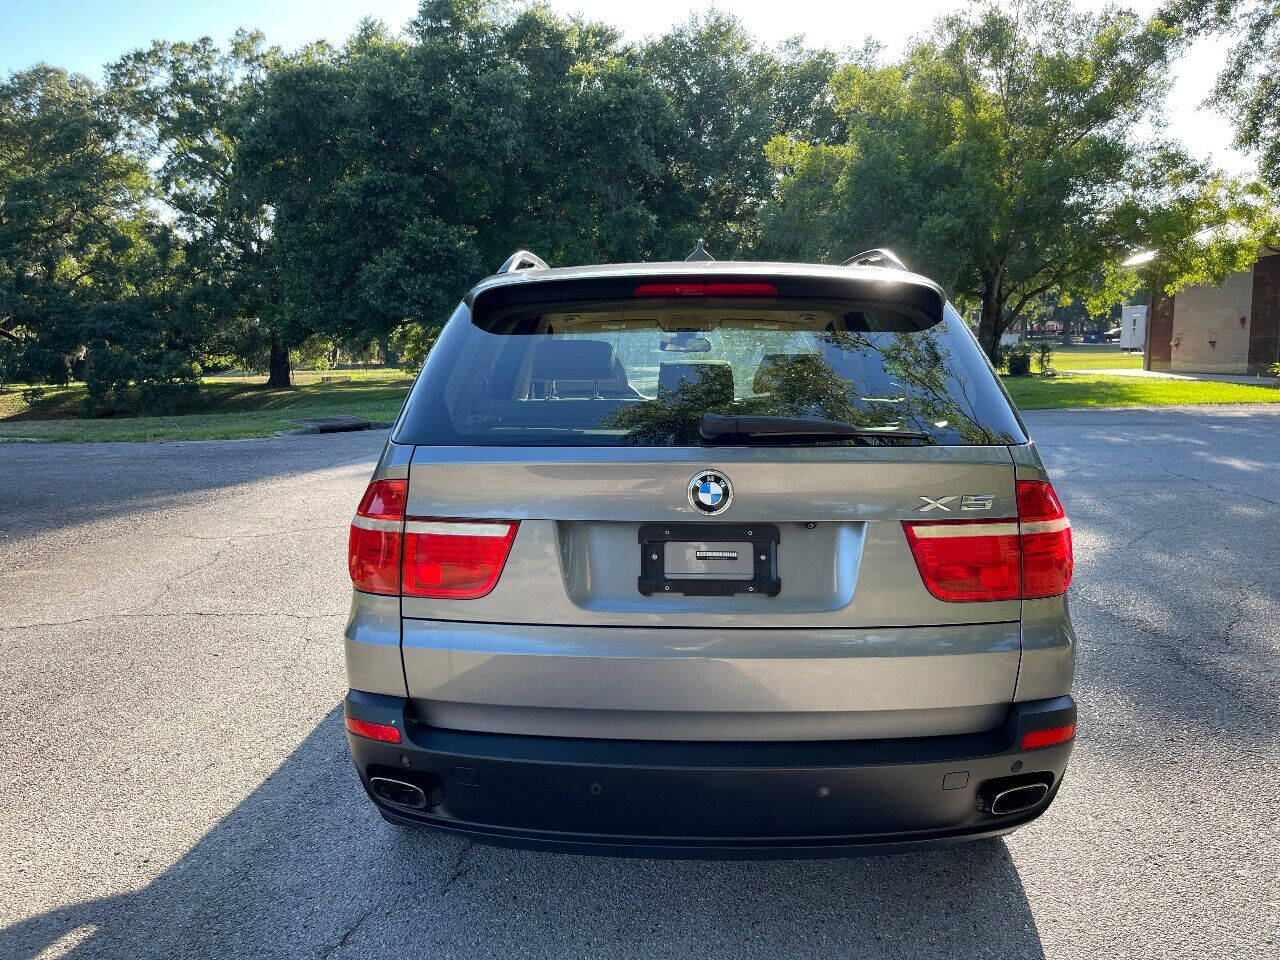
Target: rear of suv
730	558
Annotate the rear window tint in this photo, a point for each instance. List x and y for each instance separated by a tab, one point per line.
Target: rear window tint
643	372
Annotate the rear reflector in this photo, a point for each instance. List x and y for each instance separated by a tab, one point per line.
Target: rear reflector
706	290
394	556
373	547
458	559
374	731
1035	739
963	561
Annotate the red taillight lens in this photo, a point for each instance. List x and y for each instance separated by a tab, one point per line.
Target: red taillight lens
1048	738
384	500
387	554
374	731
972	560
373	547
461	559
1046	541
706	290
966	560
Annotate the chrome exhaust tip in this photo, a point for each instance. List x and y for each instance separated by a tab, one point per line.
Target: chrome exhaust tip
398	793
1019	798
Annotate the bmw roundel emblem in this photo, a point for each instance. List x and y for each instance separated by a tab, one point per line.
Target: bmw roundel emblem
710	492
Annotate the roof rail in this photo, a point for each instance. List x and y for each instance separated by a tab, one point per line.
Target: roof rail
699	253
523	260
876	257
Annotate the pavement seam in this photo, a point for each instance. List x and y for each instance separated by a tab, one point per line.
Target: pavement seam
459	869
342	941
1173	644
172	613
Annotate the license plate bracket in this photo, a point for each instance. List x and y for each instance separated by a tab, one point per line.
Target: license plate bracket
762	537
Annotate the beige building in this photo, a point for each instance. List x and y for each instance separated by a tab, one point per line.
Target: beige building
1232	328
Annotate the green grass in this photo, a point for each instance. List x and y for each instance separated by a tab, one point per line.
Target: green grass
246	408
1102	357
228	407
1100	390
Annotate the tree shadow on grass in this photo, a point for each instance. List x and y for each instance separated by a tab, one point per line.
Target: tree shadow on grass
303	867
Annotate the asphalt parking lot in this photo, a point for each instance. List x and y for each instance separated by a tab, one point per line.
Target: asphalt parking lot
174	778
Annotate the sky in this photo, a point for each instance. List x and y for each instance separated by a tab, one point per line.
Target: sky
82	35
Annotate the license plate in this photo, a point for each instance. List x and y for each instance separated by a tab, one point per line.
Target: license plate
705	559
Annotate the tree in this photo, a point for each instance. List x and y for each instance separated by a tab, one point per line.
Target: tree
729	97
1248	89
1205	226
78	238
589	173
400	169
185	106
1004	154
381	161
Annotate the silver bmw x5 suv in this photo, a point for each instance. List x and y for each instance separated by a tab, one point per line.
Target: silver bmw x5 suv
710	557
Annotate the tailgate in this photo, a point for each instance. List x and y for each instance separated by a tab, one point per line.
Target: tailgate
841	554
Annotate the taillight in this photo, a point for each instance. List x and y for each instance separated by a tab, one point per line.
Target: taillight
373	548
965	560
721	289
1046	540
392	555
461	559
972	560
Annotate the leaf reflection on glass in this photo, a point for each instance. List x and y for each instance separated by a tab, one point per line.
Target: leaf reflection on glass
903	380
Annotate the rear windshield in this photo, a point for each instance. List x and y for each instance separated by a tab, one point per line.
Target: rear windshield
644	373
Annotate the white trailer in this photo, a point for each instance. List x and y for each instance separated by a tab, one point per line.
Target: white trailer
1133	328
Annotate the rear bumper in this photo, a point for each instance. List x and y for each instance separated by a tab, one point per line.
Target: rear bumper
652	798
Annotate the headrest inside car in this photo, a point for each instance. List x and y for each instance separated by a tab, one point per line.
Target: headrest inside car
715	378
577	360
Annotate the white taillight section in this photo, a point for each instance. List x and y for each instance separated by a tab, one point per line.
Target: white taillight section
965	528
457	559
391	555
963	561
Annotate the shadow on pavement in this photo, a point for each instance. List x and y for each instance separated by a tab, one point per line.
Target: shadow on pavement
304	867
49	486
1174	596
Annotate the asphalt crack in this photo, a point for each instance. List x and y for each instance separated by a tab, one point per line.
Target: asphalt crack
460	867
1174	646
174	613
1217	488
330	950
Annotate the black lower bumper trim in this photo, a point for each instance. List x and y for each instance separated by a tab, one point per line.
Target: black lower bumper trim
718	799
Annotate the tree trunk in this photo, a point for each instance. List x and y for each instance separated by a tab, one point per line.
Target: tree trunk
278	367
991	320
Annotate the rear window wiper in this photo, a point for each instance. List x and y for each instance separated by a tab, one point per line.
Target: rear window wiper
715	428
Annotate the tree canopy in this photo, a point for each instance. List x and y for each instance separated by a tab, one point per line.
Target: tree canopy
1003	155
1248	89
209	204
